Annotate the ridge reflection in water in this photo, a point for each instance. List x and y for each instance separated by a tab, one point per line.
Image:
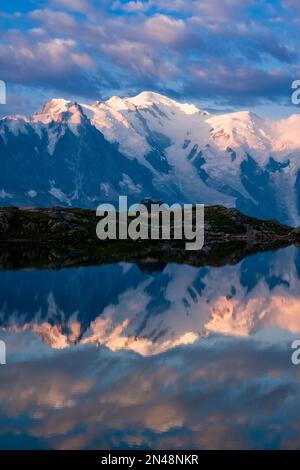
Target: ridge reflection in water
189	357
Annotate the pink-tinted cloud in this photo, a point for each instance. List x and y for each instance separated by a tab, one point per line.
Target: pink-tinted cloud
141	59
82	6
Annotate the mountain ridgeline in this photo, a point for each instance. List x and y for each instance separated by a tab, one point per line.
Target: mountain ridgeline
79	155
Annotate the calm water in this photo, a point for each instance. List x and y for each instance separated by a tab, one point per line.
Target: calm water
124	356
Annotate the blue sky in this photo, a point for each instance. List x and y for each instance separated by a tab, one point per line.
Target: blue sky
220	54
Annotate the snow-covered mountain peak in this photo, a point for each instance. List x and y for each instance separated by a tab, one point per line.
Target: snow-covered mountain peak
242	129
131	121
150	97
52	110
59	110
185	154
147	98
115	102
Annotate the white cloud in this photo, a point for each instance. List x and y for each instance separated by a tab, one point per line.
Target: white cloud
140	58
164	29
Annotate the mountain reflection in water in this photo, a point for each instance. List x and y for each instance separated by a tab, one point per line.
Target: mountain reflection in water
188	358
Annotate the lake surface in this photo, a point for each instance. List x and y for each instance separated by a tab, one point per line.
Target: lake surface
153	357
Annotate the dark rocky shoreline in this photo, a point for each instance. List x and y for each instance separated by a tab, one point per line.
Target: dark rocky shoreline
58	237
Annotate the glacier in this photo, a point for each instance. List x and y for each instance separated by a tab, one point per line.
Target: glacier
79	154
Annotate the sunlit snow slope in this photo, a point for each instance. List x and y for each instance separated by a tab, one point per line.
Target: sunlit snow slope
82	154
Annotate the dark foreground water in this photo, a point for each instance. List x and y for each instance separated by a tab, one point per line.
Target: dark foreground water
126	356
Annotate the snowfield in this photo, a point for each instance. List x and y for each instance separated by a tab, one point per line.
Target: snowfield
151	145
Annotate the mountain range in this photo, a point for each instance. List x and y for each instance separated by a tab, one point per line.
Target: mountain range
153	312
77	154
